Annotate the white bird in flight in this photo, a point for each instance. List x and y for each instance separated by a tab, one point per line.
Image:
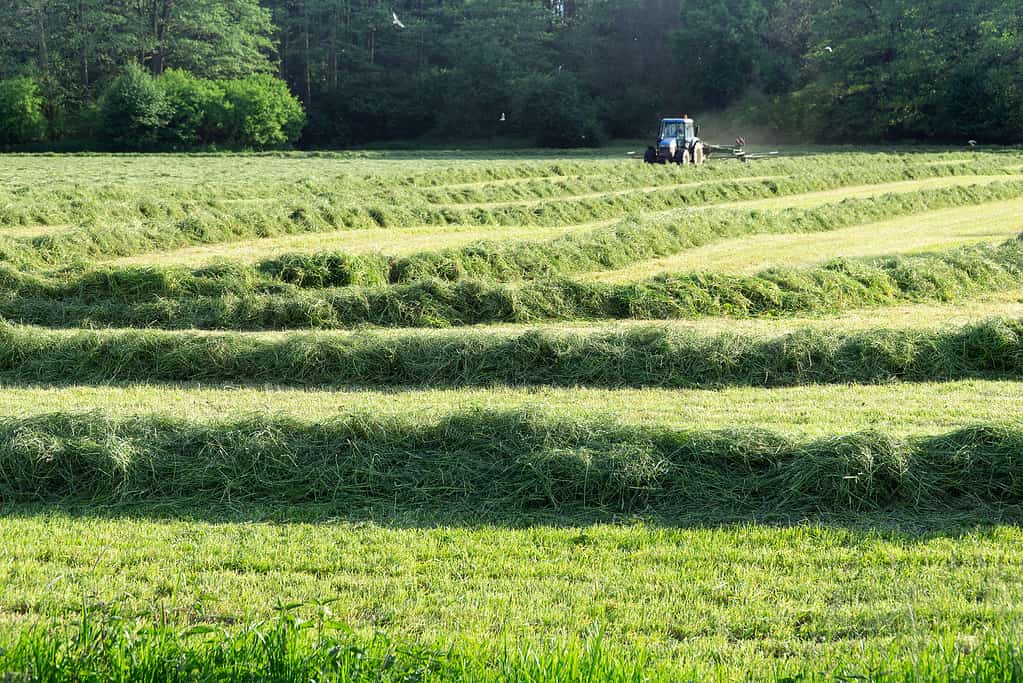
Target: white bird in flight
503	118
396	21
972	143
829	49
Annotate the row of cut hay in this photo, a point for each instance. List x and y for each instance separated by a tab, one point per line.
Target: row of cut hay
475	172
192	224
620	177
445	185
104	201
662	178
634	239
841	284
636	357
509	461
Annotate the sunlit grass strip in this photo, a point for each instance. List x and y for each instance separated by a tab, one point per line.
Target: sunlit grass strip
97	646
838	285
508	461
634	357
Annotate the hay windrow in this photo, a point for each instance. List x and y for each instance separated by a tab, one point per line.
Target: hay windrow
837	285
633	239
509	461
112	227
636	357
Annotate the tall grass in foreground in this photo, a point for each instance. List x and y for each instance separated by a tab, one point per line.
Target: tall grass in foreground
509	461
630	357
286	650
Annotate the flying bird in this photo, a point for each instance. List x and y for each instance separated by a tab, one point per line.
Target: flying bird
396	21
829	49
972	143
503	118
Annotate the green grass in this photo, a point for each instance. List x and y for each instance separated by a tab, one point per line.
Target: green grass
105	648
612	247
50	188
872	593
921	315
811	199
390	241
810	471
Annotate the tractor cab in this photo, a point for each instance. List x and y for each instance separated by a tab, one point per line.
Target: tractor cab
677	129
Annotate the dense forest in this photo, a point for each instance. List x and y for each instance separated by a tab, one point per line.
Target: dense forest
331	73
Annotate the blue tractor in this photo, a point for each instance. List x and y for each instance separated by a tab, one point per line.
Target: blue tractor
679	143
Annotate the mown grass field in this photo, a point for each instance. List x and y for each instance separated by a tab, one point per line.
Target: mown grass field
445	417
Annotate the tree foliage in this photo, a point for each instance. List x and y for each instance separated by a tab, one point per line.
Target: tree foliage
827	70
135	110
21	112
259	111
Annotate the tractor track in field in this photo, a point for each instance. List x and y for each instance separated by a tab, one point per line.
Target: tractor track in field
31	231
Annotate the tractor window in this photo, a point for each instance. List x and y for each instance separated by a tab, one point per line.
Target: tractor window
670	130
690	133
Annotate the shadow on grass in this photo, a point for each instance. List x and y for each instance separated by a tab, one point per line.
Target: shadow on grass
897	524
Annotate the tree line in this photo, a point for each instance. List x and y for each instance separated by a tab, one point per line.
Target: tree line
264	73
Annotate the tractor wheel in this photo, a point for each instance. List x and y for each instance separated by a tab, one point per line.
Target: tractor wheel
651	155
680	157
